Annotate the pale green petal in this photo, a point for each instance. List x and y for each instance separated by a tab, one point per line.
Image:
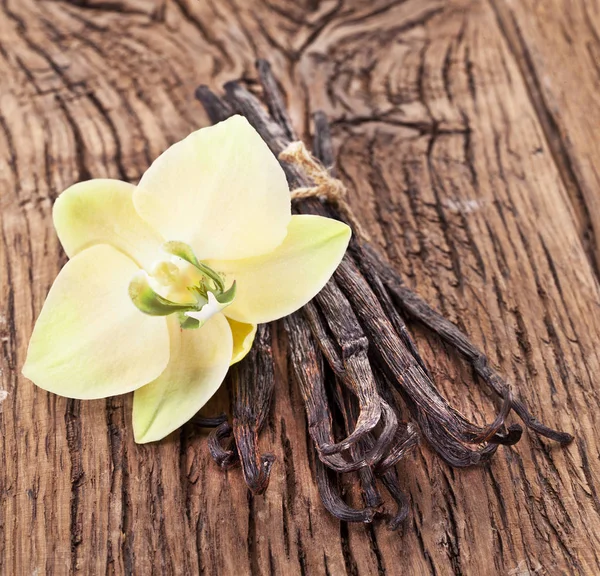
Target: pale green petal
243	337
102	212
199	362
90	341
220	190
277	284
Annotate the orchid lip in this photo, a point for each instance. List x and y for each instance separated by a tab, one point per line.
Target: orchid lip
180	283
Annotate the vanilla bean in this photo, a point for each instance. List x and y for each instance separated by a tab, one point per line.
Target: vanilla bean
253	382
422	312
225	456
274	98
452	430
208	421
371	495
333	501
406	441
216	108
385	470
370	410
356	323
356	372
307	364
395	318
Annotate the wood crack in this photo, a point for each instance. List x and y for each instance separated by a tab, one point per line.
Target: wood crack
518	47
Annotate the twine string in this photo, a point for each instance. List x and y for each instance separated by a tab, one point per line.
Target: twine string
326	186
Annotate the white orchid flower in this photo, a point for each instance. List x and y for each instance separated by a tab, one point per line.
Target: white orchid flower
167	280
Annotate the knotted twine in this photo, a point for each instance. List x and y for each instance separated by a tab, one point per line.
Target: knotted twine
326	186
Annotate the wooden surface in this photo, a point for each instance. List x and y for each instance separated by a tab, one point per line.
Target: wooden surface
467	132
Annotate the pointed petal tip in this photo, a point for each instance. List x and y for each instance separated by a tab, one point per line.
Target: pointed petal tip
279	283
228	196
199	363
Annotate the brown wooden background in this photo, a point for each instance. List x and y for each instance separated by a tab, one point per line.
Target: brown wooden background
467	131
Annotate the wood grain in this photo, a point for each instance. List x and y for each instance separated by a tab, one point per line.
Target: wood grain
563	37
482	193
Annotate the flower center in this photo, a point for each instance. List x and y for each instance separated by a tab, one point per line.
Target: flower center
179	284
175	280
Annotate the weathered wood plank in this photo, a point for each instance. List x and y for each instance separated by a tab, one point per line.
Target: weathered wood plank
563	37
449	166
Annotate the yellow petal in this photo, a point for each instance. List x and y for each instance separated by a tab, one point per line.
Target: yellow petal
243	337
276	284
102	212
90	341
220	190
199	362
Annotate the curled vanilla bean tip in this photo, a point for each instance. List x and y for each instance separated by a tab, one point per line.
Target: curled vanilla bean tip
333	501
209	421
257	474
347	357
224	457
388	477
386	437
495	432
348	408
390	480
563	438
321	435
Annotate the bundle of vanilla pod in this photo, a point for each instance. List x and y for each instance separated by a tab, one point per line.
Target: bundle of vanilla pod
352	355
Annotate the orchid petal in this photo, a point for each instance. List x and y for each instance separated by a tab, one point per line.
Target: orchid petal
90	341
220	190
243	337
199	362
276	284
102	212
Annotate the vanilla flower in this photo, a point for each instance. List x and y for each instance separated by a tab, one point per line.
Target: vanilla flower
167	280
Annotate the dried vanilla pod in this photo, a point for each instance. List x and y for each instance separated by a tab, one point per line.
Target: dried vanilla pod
370	492
322	144
356	325
221	446
208	421
425	397
334	503
417	309
307	365
253	382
